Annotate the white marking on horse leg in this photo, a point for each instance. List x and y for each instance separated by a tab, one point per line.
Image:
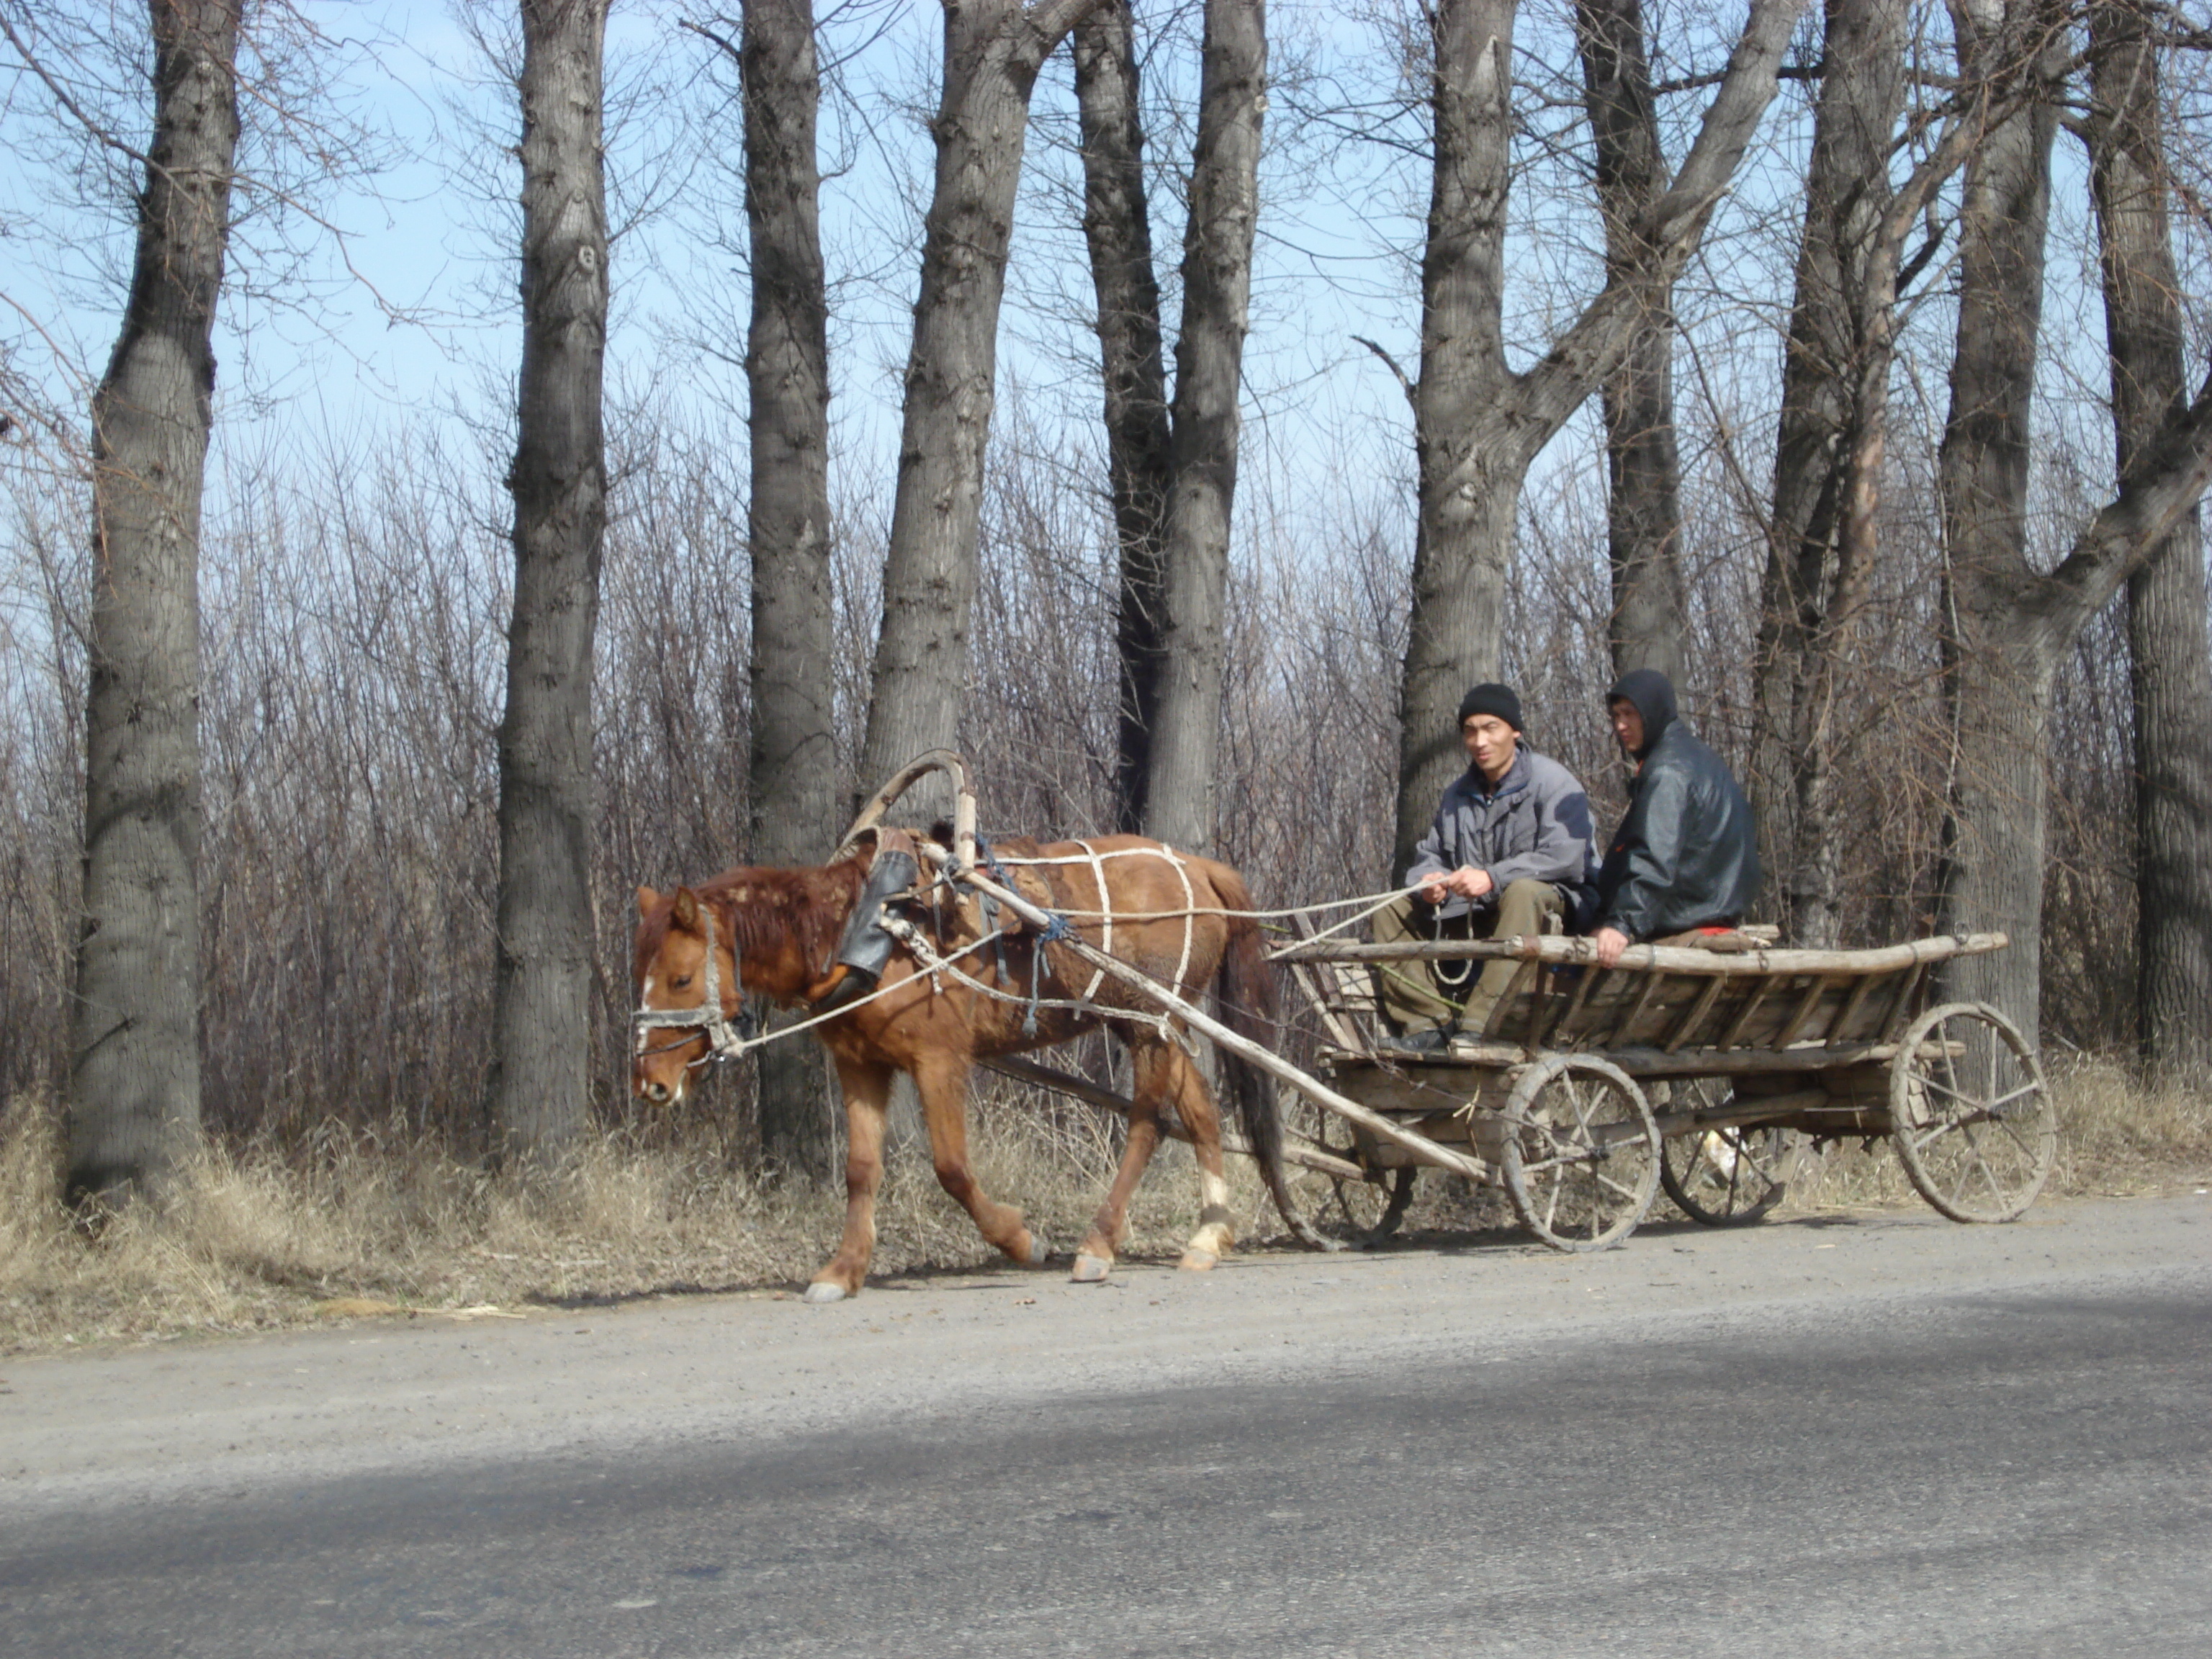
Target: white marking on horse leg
821	1292
1214	1236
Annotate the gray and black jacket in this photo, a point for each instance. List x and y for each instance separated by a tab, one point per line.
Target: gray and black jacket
1686	854
1535	824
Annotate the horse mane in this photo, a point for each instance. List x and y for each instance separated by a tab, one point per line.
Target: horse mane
761	909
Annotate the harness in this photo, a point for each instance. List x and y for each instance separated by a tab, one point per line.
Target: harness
725	1041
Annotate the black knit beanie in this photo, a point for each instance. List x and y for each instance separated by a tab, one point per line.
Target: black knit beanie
1493	699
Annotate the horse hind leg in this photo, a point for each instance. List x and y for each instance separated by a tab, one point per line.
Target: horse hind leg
1216	1235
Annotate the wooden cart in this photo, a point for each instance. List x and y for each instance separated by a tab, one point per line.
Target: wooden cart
1698	1069
1752	1044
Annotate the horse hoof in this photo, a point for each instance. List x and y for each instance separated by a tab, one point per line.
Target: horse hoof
1199	1261
821	1292
1090	1269
1040	1252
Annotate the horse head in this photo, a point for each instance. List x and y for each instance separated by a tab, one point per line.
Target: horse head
768	932
676	966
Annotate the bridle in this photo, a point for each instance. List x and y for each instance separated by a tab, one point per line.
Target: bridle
724	1040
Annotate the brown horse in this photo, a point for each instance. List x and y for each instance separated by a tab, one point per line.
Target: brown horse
774	931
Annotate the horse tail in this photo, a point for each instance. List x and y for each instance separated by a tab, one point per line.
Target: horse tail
1245	990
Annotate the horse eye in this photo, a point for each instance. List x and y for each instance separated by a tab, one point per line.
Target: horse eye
682	982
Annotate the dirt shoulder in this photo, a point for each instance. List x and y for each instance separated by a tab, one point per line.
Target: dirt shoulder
207	1418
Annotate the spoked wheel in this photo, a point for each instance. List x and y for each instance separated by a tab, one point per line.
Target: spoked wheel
1969	1113
1581	1154
1727	1175
1365	1211
1374	1209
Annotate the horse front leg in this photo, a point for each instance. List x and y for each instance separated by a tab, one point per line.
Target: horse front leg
868	1090
942	1086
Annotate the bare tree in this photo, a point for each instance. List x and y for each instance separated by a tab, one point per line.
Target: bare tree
793	769
135	1076
1847	198
1644	519
994	50
2009	625
1217	290
540	1082
1478	424
1140	466
2172	667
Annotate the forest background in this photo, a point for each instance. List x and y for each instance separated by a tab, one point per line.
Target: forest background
355	555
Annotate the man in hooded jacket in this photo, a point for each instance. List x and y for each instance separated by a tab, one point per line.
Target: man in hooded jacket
1685	855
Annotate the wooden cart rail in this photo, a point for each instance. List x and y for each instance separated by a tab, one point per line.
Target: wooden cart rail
1659	1001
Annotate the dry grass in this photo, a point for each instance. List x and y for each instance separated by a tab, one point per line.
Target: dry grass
2117	1139
256	1237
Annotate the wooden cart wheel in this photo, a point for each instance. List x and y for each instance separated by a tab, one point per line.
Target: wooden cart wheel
1366	1211
1581	1152
1374	1209
1729	1175
1969	1113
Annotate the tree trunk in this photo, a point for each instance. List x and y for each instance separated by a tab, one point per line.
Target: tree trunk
540	1083
1835	375
794	772
2003	647
1644	522
1477	425
1217	288
1139	468
2171	670
135	1078
992	51
2009	624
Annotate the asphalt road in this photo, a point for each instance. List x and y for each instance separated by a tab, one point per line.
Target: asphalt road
1885	1437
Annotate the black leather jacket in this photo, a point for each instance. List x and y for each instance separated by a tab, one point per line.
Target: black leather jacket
1686	854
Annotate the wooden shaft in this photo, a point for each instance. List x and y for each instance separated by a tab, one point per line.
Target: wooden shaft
1066	1083
1428	1150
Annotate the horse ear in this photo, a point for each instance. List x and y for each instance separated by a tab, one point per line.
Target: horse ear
686	913
647	898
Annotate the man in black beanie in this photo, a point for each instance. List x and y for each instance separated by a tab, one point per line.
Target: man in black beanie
1512	851
1685	856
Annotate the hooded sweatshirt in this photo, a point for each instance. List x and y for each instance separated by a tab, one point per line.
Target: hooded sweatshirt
1686	853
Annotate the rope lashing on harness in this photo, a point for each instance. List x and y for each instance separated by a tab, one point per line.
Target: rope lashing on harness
931	964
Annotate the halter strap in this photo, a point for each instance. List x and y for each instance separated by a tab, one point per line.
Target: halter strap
724	1040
